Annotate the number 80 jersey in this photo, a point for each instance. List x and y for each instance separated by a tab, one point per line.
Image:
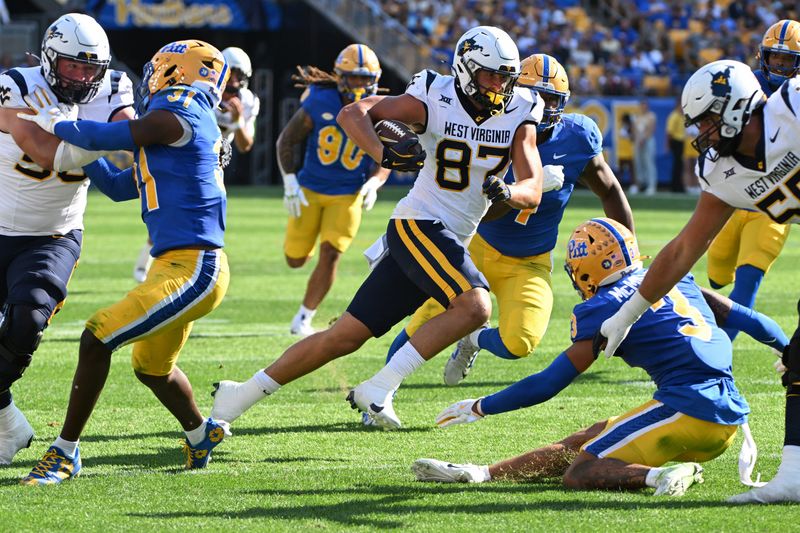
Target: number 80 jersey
464	146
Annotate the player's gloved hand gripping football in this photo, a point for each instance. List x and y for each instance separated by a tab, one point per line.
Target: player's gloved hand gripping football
47	110
406	155
463	412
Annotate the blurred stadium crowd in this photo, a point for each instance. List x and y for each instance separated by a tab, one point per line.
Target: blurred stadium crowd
634	46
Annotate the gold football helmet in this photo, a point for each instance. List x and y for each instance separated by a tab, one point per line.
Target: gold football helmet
193	63
600	251
782	38
358	70
545	75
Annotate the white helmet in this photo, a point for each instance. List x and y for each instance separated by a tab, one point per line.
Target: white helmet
486	48
238	59
728	90
79	38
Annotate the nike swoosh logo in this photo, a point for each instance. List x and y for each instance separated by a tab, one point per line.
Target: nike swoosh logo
512	109
558	156
772	139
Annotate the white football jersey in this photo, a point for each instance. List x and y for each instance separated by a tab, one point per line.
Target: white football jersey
462	149
770	183
35	201
250	108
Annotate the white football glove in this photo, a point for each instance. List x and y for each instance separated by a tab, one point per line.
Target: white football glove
458	413
48	112
370	192
778	364
616	327
553	177
293	195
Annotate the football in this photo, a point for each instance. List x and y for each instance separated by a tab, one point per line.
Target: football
392	132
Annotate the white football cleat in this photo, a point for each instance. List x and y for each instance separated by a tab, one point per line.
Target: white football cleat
228	402
301	328
375	402
784	487
676	480
15	433
462	358
435	470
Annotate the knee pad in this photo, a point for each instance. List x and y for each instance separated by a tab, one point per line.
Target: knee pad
20	333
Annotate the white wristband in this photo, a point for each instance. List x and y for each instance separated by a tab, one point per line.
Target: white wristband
635	306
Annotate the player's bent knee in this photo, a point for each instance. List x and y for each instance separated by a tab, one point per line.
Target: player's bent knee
21	328
520	346
475	305
296	262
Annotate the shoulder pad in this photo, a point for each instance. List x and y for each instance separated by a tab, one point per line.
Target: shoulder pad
420	83
12	88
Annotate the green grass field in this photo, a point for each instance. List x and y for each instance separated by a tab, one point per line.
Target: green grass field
301	459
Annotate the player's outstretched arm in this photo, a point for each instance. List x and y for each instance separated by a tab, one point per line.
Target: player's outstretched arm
672	263
599	177
729	314
533	390
38	144
119	185
526	193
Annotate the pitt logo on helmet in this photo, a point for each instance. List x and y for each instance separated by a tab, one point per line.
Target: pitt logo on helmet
600	252
358	70
193	63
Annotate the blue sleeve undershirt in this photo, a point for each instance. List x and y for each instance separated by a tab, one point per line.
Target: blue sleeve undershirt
534	389
117	184
97	136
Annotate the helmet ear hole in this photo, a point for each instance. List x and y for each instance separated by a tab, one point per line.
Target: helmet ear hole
170	70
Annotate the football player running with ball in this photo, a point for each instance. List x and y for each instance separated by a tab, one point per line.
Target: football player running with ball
471	125
747	144
695	411
177	172
750	242
514	251
43	195
325	195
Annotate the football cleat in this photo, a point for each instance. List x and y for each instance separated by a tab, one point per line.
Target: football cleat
435	470
676	480
227	401
198	455
54	467
301	329
15	434
375	402
461	360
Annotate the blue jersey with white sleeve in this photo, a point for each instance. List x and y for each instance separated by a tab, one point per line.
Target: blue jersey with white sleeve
333	164
181	187
575	140
678	343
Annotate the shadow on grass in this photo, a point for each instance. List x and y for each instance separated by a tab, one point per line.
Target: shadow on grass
390	507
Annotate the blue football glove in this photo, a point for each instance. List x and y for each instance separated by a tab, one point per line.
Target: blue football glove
496	189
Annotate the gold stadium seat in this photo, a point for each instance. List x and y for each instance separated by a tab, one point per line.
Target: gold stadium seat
707	55
593	73
697	26
658	85
678	39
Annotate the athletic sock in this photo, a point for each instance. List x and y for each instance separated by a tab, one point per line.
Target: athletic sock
485	471
404	362
651	479
305	314
197	435
66	446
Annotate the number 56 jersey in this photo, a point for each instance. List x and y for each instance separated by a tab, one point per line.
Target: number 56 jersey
37	201
464	146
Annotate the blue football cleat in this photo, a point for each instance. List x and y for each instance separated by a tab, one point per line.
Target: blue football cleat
199	455
54	467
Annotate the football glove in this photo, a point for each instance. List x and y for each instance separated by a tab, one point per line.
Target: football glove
459	413
369	192
48	112
495	189
553	177
400	156
293	195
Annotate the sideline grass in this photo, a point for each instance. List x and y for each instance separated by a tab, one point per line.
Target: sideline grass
301	459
